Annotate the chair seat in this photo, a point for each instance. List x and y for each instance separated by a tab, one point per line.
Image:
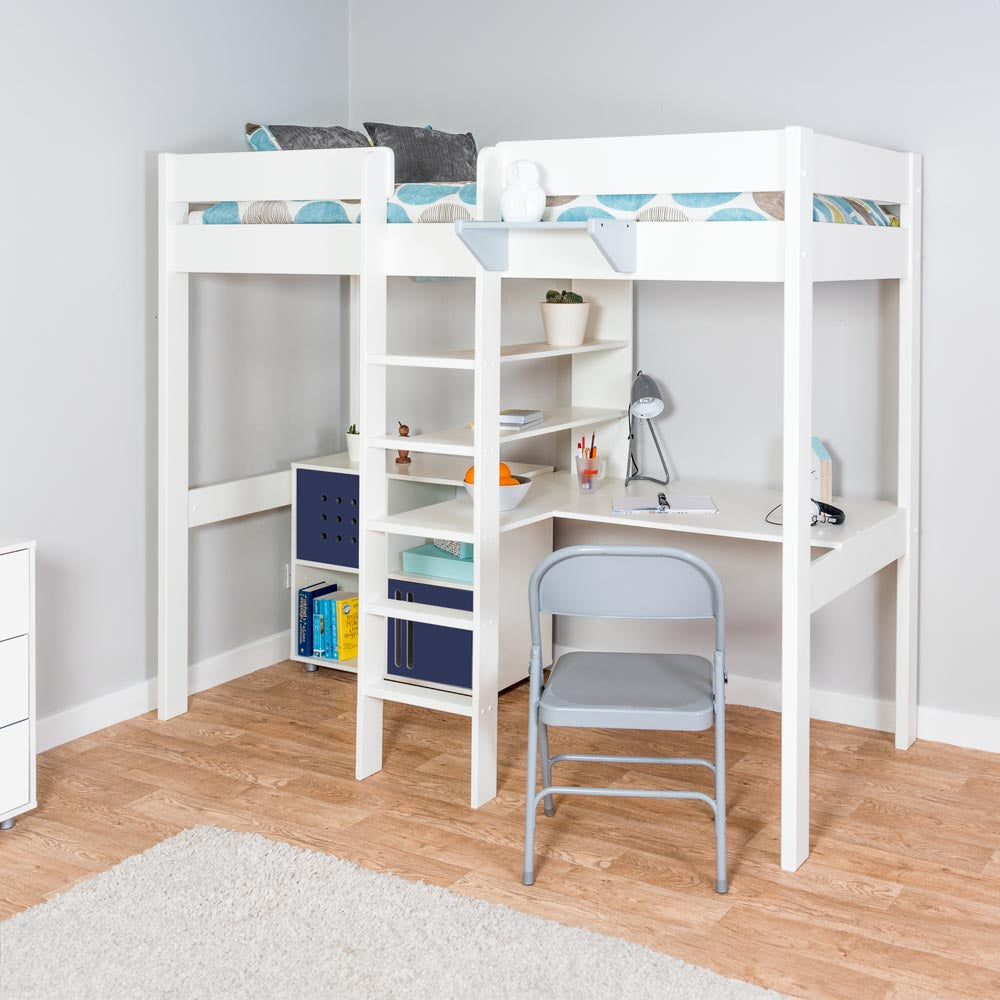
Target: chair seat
671	691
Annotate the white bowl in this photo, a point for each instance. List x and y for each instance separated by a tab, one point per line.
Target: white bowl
510	496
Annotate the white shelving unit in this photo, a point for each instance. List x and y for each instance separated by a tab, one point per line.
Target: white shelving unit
433	476
507	545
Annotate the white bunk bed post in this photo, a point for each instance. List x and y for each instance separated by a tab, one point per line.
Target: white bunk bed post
795	549
374	484
486	511
908	486
173	466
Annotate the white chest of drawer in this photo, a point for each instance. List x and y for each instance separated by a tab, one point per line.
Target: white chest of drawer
17	680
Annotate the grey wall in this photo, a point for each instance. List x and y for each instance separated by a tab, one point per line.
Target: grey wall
917	76
90	93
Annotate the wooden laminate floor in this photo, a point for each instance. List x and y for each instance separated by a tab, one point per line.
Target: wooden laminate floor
900	897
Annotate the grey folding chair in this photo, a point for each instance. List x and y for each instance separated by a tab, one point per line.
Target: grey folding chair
655	691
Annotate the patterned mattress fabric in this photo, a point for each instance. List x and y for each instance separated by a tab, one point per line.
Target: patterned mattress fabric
438	202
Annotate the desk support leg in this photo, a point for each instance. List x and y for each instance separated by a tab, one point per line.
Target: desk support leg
795	550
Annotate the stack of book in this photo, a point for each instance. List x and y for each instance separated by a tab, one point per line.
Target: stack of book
327	623
520	419
308	596
335	627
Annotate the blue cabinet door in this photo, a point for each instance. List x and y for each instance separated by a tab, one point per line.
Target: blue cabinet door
430	652
326	517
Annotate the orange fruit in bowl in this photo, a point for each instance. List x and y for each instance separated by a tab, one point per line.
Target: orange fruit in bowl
506	477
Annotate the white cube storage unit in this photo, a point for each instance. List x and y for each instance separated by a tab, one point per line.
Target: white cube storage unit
17	680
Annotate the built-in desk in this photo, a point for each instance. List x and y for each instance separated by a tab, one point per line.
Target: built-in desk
873	535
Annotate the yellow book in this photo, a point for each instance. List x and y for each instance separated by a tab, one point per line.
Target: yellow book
345	611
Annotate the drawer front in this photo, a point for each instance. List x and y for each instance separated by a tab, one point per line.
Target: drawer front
14	588
326	517
14	676
15	783
430	652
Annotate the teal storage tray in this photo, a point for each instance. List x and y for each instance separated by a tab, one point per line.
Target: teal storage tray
429	560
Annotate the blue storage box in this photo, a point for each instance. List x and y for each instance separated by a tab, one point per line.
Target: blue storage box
429	560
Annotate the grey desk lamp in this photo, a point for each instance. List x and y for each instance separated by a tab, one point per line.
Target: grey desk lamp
645	404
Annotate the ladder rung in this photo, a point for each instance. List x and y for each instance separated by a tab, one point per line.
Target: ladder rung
428	614
421	697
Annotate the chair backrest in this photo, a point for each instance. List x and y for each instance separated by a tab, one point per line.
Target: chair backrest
625	581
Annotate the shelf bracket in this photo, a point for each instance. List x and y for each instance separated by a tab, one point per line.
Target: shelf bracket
489	241
615	238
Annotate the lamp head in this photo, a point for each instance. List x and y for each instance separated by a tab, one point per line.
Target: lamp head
646	399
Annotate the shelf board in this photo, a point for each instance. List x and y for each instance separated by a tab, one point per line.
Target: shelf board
459	440
439	470
421	697
329	566
465	360
350	666
453	519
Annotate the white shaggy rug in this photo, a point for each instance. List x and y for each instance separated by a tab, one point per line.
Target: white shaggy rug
215	915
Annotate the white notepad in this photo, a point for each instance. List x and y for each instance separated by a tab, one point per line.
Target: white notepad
672	505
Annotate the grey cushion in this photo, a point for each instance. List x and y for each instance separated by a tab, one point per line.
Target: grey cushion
269	137
424	154
629	691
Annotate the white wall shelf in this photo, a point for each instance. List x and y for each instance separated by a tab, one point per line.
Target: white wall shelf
460	440
464	360
488	241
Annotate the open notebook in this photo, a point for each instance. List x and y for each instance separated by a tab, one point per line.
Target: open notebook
660	503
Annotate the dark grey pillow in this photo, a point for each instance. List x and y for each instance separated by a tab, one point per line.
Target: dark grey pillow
268	137
423	154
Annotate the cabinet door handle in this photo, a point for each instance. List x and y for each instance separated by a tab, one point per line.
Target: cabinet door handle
397	645
409	638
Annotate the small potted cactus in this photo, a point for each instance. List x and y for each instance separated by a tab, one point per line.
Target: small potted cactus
564	316
353	443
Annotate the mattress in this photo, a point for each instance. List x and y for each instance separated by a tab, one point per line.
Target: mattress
438	202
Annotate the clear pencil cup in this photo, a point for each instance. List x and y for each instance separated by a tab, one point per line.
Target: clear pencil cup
589	471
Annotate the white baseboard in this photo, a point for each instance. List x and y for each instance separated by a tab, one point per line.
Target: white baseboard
977	732
960	729
137	699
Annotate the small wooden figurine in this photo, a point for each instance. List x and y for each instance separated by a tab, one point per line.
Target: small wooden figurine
403	457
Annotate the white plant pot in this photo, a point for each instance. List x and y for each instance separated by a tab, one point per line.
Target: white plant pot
354	447
565	322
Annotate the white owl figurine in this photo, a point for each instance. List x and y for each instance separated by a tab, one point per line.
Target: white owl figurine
523	199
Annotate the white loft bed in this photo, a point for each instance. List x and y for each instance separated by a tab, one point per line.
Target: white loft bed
795	252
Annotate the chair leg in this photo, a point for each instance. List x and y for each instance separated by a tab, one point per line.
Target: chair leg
721	881
530	808
543	735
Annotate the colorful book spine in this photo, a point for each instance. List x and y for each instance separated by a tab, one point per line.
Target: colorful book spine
317	630
306	639
329	628
346	615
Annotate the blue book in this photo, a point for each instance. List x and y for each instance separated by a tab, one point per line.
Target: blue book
329	613
317	649
307	596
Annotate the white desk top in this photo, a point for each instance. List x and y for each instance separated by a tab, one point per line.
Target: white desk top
741	512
